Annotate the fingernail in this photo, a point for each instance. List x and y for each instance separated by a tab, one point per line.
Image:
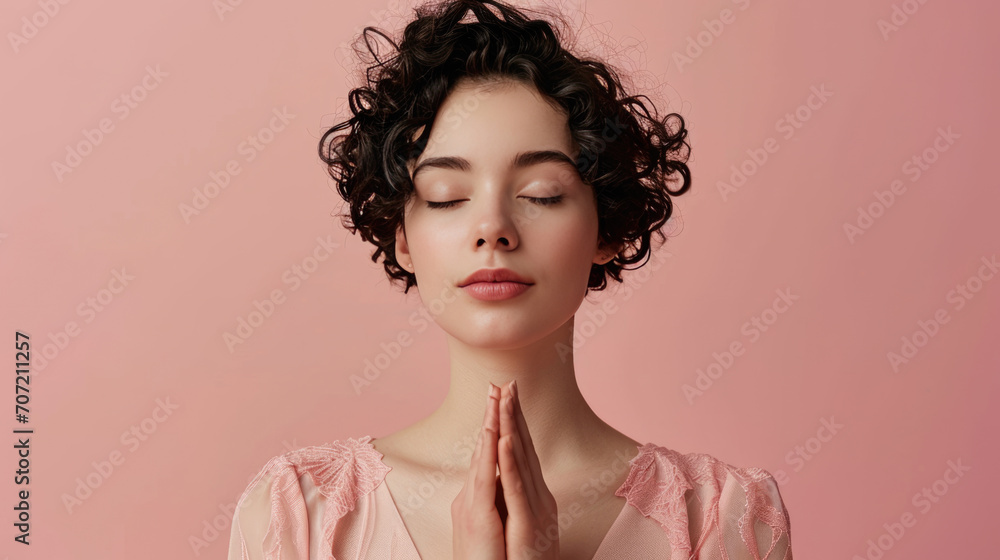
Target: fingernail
489	392
513	388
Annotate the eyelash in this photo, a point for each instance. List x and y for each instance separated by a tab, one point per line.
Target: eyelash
548	201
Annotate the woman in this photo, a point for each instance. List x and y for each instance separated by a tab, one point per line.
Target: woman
510	178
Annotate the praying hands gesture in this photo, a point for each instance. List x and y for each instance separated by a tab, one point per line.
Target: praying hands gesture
513	517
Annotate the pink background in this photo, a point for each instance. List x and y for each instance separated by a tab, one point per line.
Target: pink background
64	236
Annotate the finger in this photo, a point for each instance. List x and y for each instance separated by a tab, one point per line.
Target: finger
515	497
470	477
535	466
501	503
476	453
508	428
484	489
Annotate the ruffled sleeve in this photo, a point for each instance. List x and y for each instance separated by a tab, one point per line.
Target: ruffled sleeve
748	521
292	508
708	509
271	518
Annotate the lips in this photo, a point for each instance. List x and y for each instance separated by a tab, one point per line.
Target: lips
495	275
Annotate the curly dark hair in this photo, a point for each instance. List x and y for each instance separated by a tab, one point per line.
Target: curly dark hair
630	172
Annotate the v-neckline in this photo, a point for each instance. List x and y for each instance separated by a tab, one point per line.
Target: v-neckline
413	546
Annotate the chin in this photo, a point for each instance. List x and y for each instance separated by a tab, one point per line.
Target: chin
500	332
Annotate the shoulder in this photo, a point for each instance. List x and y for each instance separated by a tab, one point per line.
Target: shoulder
700	490
289	488
342	469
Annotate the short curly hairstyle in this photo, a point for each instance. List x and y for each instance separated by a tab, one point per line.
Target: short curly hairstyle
630	171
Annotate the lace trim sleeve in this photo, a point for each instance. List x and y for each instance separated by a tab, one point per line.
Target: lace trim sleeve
697	497
271	521
746	518
272	517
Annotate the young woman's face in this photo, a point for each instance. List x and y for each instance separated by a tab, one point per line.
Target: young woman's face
495	219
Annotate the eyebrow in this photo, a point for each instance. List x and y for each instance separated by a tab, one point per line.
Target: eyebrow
521	160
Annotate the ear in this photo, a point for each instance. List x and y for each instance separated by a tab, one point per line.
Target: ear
403	250
605	252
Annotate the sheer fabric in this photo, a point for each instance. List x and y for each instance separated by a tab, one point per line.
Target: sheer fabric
328	503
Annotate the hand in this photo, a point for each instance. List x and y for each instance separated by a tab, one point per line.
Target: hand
477	525
531	528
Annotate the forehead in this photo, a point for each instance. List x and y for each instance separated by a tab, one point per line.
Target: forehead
489	124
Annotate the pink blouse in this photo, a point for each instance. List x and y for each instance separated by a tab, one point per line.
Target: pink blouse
730	514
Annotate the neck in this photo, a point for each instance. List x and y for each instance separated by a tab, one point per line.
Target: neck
562	425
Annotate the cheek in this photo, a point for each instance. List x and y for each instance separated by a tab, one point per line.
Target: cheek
431	245
572	243
580	225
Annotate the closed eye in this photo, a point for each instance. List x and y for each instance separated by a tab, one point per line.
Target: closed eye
546	201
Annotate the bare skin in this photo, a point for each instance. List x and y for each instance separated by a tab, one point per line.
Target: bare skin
432	528
497	519
496	221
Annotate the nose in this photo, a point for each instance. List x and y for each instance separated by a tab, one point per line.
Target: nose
496	228
501	241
